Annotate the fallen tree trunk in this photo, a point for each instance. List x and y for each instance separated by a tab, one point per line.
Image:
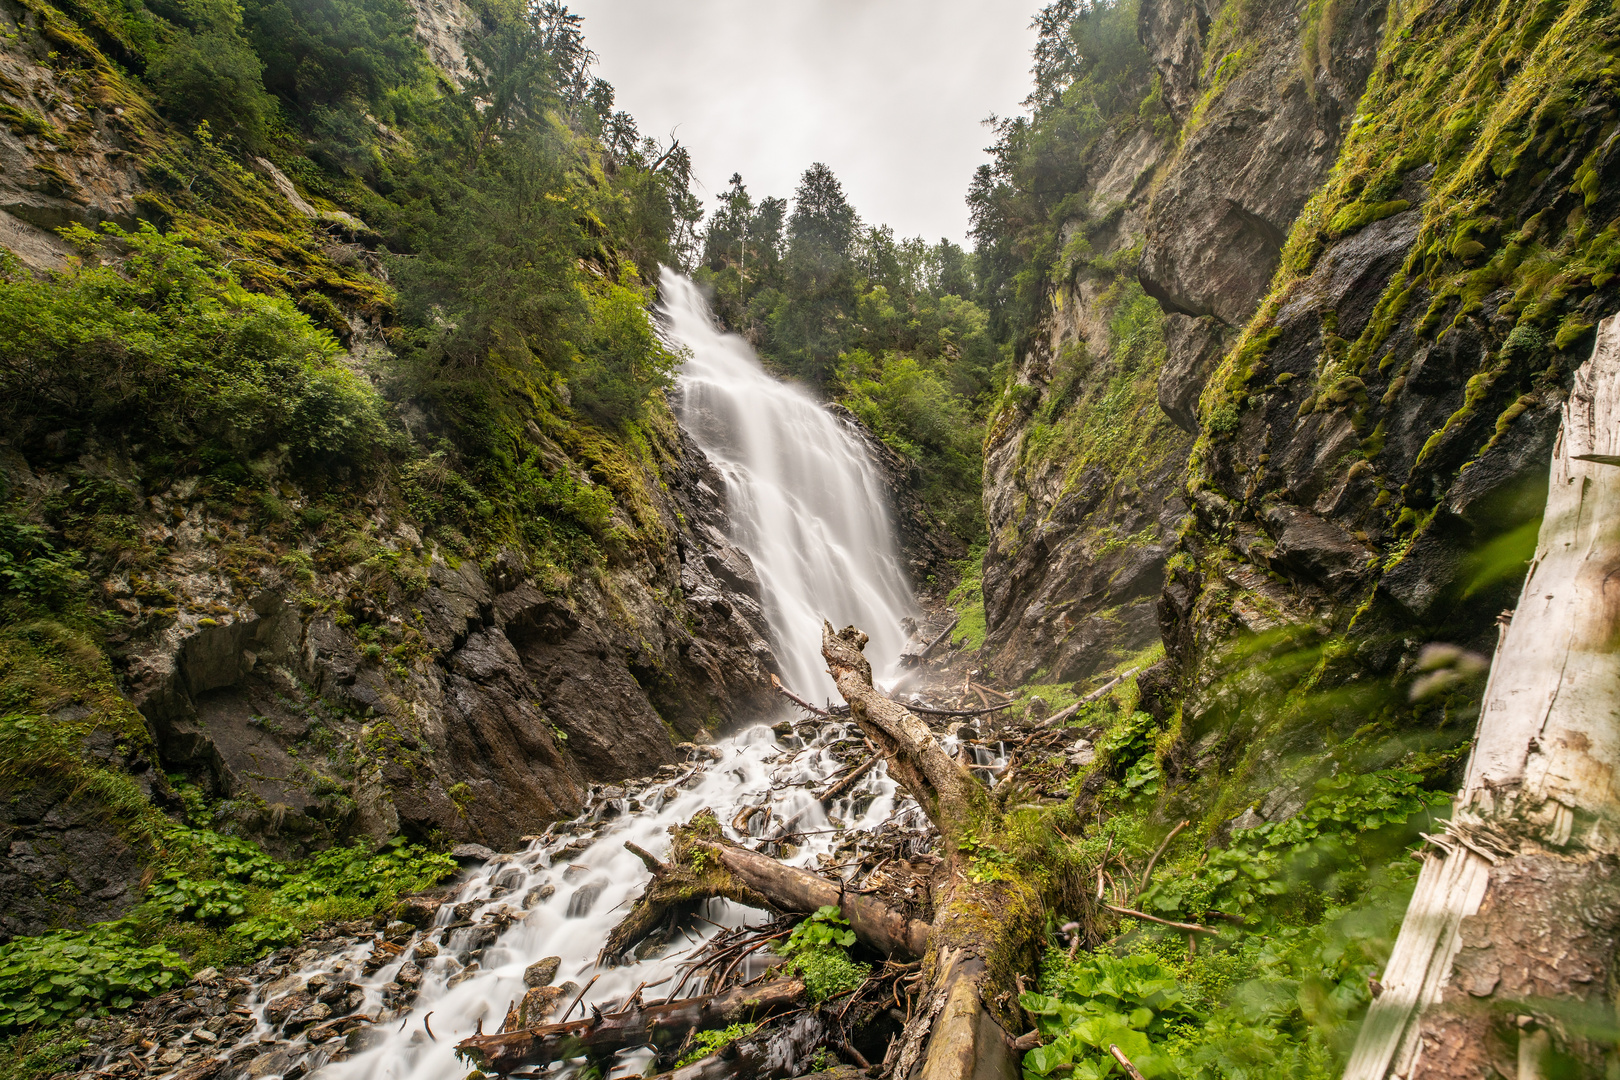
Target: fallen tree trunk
662	1027
984	933
759	881
796	891
1506	958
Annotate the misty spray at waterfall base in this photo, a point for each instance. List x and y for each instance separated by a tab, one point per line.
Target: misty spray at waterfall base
807	506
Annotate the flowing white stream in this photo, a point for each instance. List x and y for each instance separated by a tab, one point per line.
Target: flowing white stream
809	510
806	502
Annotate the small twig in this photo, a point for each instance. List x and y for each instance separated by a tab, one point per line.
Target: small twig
1191	928
1026	1042
1125	1063
838	789
797	700
854	1055
1147	874
989	690
580	997
425	1027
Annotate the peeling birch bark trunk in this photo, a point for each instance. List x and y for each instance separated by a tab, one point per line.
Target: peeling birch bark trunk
1506	961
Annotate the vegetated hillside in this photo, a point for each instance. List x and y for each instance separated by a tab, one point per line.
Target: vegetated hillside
1295	292
340	499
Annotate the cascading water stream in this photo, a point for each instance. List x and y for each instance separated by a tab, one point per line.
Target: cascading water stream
806	502
808	508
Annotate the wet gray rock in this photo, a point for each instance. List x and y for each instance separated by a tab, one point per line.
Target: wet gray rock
1192	349
1226	200
541	972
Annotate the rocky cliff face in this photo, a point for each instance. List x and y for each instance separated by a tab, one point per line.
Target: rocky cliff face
1375	443
1376	253
412	691
1084	463
70	136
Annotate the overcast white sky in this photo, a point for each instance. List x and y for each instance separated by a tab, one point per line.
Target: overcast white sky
889	93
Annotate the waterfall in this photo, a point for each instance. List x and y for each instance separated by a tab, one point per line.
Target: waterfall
808	508
806	503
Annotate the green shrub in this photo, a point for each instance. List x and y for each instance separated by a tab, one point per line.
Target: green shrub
32	568
164	348
214	76
64	974
1098	1001
623	360
705	1043
40	1052
819	947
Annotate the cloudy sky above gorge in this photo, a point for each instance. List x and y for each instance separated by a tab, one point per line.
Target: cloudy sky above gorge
889	93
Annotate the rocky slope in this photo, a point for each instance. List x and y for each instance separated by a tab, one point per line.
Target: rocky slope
307	649
1083	466
1377	252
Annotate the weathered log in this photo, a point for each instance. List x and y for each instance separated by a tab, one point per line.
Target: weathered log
792	890
759	881
983	932
946	791
662	1027
678	886
1514	925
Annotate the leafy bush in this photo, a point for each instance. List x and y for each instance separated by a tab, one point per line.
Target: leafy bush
623	360
40	1052
705	1043
60	975
826	929
1351	821
163	347
360	872
1098	1001
224	896
214	76
32	568
819	947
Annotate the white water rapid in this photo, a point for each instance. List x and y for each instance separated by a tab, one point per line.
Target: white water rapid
810	511
806	503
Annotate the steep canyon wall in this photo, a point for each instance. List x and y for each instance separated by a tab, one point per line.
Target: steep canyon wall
1375	242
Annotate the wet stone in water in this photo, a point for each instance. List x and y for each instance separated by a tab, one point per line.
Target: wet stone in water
580	904
281	1008
539	1003
305	1017
541	972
